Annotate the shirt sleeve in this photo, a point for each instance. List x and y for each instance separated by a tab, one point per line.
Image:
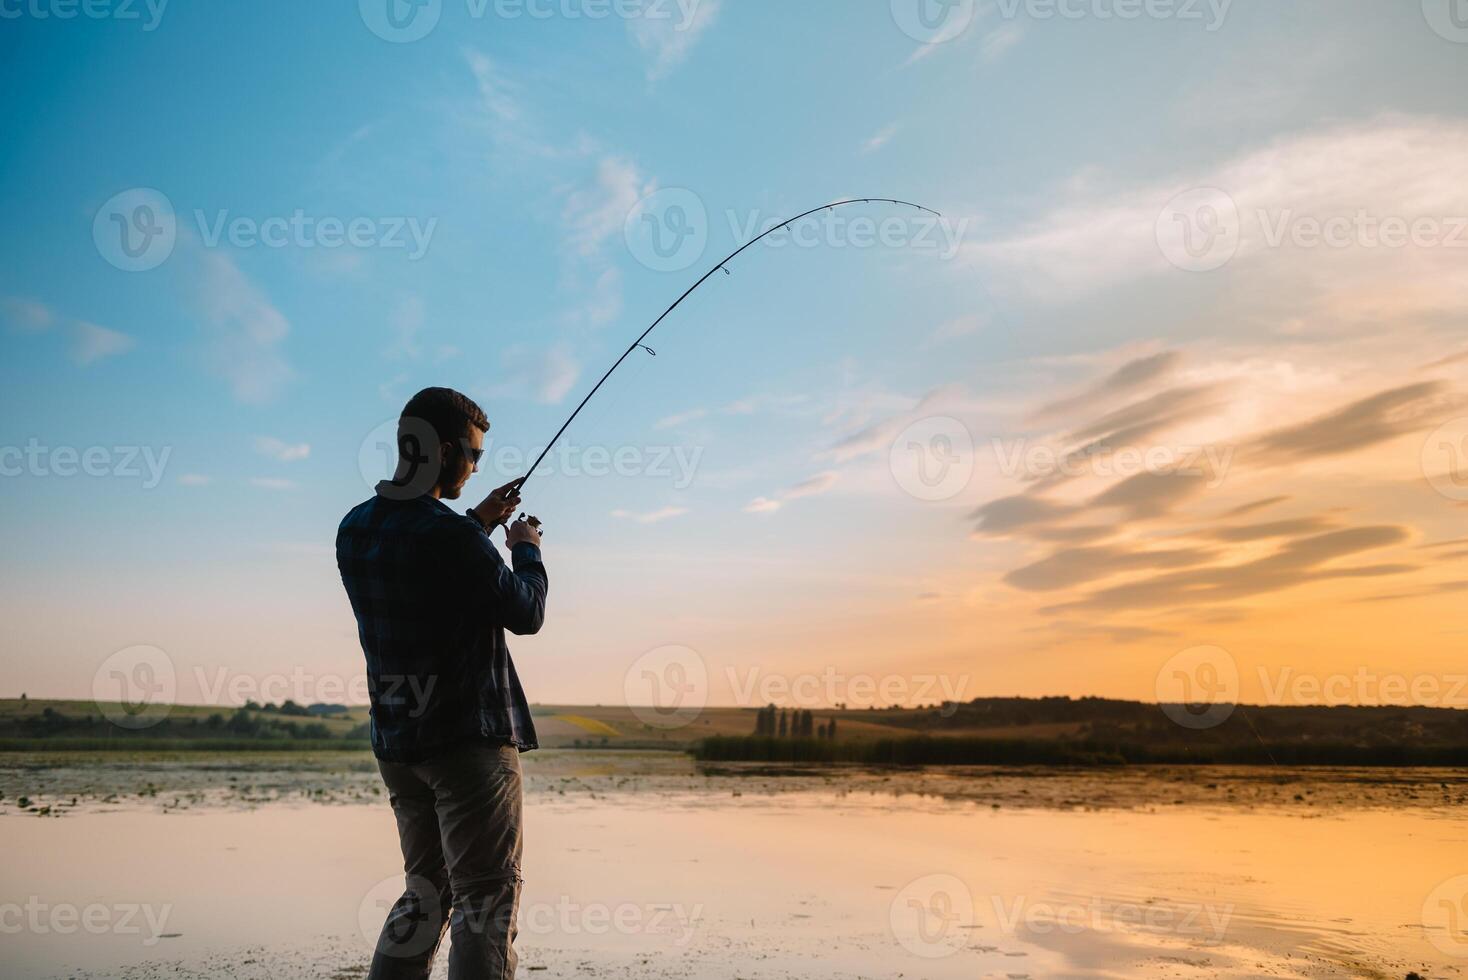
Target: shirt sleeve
513	598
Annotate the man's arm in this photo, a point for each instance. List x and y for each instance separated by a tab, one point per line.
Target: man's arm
513	597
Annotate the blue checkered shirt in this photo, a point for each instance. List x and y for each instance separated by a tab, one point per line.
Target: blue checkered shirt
433	599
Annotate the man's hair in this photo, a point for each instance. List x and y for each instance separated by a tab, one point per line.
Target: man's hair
447	412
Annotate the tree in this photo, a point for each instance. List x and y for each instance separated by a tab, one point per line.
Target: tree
831	729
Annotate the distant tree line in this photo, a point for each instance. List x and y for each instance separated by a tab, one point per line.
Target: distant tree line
249	722
774	722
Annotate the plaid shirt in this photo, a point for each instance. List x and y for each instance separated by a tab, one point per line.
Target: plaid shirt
433	599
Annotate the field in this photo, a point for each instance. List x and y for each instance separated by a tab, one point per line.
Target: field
985	731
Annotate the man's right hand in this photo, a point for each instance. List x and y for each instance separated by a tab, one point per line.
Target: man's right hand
523	530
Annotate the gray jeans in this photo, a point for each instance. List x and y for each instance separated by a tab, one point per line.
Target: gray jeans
459	825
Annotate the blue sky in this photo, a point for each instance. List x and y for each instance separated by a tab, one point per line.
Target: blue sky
523	148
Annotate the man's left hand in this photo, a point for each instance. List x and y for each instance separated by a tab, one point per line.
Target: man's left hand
500	505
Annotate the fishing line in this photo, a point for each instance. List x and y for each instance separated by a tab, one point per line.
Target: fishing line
720	266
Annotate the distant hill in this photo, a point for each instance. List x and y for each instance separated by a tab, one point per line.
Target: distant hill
981	731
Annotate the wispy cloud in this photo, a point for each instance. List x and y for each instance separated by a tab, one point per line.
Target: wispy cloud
545	374
813	487
1102	236
494	89
280	450
651	517
997	43
243	331
669	39
880	139
91	343
596	213
26	314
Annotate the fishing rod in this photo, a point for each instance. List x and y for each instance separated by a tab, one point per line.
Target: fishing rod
721	266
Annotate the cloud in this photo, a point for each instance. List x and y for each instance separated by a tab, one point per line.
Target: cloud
281	451
543	374
407	321
1132	424
1270	529
1150	495
680	418
813	487
1255	505
1359	424
26	314
963	326
879	139
1075	566
670	38
878	436
1406	168
605	304
1435	588
244	332
194	480
652	517
91	343
1295	563
998	42
595	214
494	89
1131	375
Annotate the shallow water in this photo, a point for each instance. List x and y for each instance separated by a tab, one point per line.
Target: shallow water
809	883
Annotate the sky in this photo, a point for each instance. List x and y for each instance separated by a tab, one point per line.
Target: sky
1171	399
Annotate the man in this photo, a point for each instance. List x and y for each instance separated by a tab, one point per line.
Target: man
433	599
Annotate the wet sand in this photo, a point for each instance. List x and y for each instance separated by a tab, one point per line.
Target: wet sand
56	784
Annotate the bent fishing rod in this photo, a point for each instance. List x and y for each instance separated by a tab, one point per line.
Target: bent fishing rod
721	266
